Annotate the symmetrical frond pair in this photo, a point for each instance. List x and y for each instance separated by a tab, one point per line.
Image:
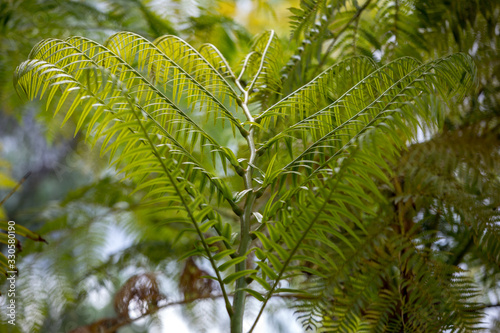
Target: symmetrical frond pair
313	162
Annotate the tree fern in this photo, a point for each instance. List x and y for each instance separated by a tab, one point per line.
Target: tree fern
311	171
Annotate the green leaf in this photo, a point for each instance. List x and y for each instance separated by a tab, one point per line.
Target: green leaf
231	263
255	294
236	275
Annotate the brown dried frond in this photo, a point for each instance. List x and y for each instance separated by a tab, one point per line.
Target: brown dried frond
191	282
139	294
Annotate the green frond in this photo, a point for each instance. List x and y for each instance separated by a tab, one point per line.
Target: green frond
217	61
329	200
334	193
352	39
154	137
85	60
330	25
381	98
437	295
203	71
316	224
319	92
182	73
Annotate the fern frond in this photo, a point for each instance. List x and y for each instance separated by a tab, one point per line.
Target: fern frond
336	207
377	98
201	69
350	29
135	118
168	118
315	223
331	24
316	208
180	68
217	60
319	92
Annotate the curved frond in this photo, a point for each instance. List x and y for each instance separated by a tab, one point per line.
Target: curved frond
383	96
331	198
154	136
102	67
201	70
318	93
304	230
217	60
188	77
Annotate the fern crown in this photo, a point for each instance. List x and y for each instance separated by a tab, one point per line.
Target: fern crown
303	159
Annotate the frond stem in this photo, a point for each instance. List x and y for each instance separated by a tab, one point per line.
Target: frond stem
240	294
241	283
216	50
245	64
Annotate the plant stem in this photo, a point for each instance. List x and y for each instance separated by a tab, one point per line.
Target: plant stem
240	294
